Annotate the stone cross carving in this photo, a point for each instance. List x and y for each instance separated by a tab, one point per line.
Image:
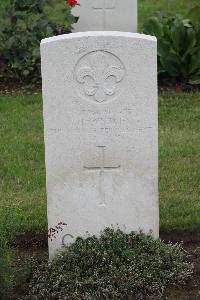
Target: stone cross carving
104	7
102	169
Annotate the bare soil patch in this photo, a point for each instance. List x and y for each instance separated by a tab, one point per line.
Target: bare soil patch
12	87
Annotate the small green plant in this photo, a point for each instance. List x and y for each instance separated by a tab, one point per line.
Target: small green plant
6	268
114	266
25	24
178	44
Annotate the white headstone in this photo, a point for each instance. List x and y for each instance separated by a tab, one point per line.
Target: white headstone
101	128
112	15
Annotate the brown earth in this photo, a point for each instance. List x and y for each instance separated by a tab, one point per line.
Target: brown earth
12	87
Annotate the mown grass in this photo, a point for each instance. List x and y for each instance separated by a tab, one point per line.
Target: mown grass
22	172
22	192
179	159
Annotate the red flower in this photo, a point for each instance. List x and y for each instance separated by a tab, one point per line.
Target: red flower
72	3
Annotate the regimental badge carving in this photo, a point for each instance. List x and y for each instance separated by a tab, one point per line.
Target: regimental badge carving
99	75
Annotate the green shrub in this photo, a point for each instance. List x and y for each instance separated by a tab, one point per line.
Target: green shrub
26	24
178	44
6	269
115	266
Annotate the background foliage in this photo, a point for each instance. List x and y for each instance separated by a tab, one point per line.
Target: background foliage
178	44
26	24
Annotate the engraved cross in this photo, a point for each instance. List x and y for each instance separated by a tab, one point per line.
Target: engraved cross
102	169
106	6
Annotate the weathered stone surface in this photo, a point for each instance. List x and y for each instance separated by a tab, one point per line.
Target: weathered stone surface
101	127
116	15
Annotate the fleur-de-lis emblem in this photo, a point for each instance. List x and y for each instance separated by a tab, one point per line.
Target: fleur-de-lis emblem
99	76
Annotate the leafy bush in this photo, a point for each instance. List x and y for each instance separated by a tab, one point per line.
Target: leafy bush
6	269
178	44
26	24
115	266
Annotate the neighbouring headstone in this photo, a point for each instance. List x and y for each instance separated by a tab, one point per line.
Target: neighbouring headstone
101	133
111	15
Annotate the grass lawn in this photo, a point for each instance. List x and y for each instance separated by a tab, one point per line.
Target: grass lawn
179	160
22	172
22	183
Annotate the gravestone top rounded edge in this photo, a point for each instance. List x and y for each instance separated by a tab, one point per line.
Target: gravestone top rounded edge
99	34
